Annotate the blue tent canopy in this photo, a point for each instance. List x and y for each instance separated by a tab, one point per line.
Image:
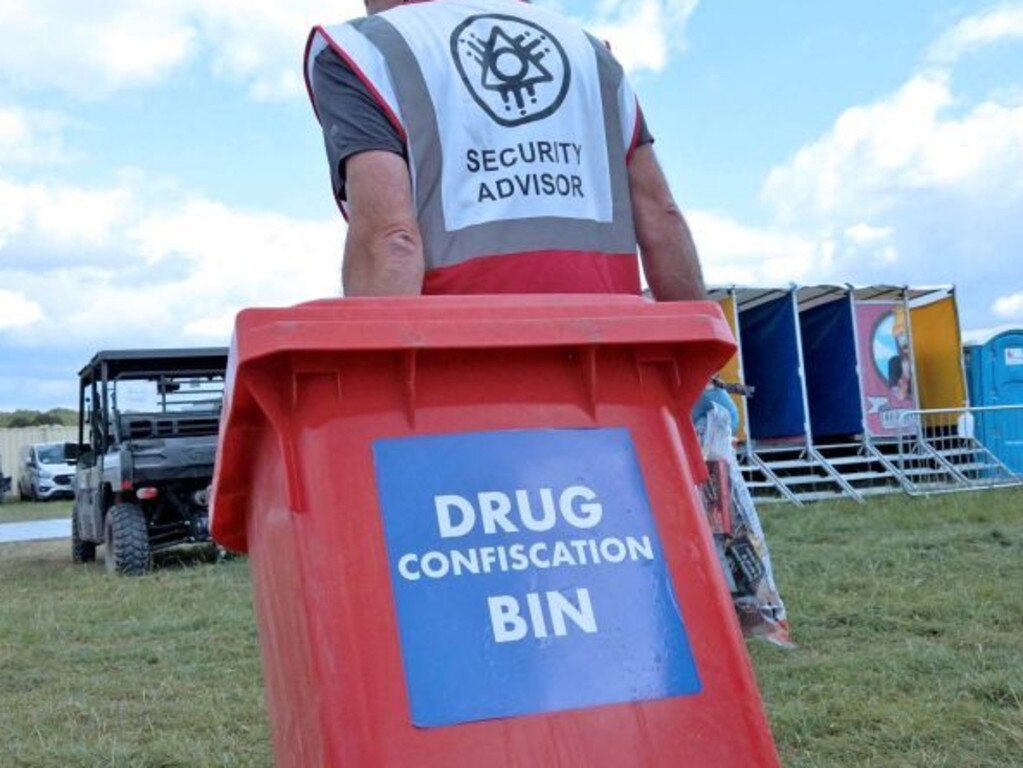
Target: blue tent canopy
829	355
770	360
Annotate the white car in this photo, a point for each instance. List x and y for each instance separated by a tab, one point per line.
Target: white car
5	484
47	471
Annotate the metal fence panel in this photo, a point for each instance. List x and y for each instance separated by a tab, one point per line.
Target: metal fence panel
953	449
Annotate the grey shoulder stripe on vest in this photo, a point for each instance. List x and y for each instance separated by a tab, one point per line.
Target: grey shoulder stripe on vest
608	64
362	21
425	151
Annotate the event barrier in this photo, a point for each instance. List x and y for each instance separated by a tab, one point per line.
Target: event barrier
940	449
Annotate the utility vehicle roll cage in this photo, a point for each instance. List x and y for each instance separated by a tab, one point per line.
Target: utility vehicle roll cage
166	367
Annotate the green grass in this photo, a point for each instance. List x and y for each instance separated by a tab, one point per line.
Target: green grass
96	670
22	511
909	618
908	615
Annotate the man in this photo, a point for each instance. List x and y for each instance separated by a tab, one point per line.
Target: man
491	146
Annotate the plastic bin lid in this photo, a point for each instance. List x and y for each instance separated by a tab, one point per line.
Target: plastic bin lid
465	322
437	322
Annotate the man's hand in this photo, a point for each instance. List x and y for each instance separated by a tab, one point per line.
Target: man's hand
384	250
669	255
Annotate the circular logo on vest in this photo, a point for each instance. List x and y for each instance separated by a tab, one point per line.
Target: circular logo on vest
516	70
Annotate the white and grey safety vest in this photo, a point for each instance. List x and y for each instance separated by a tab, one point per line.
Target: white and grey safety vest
518	127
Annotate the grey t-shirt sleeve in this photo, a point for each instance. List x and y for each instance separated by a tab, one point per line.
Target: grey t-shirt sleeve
351	118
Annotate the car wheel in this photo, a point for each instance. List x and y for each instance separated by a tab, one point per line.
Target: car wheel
126	540
81	551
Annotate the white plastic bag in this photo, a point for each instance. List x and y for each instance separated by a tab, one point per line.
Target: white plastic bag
738	535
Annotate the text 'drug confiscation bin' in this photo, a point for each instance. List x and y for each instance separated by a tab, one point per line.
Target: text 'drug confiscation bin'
528	574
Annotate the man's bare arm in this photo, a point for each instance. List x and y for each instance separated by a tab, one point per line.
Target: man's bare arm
384	250
669	256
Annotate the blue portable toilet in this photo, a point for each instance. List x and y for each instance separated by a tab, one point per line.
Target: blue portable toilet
994	373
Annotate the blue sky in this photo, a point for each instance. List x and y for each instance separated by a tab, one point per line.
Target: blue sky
160	167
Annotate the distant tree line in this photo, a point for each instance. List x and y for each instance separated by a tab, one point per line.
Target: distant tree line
25	418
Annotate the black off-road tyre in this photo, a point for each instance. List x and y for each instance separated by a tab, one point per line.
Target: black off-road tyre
127	541
81	551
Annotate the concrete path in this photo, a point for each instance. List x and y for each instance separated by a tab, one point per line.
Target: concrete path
36	530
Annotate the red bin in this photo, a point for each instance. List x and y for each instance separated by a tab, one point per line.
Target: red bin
474	533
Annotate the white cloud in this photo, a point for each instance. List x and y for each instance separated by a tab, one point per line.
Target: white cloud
778	254
81	217
974	32
61	221
923	185
244	257
1009	307
735	253
109	46
104	47
260	42
217	328
96	267
869	244
911	141
31	136
16	311
90	49
865	234
15	203
642	33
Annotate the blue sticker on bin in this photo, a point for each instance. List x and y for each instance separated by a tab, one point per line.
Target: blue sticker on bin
528	574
